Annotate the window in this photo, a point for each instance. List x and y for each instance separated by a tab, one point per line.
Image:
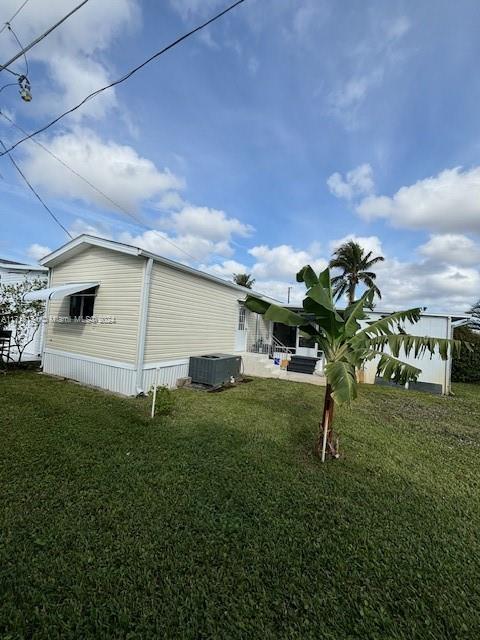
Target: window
242	319
82	303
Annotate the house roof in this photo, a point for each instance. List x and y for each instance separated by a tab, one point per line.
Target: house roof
455	317
82	242
11	265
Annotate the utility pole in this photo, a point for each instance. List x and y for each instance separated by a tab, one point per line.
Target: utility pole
288	294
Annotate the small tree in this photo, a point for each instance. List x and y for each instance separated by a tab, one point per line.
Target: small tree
23	318
347	346
244	280
474	322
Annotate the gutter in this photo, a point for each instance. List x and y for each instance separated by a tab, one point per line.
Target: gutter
142	324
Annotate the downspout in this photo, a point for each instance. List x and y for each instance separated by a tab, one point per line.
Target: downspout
142	324
448	363
45	323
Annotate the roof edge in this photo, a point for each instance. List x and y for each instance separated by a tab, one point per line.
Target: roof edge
61	254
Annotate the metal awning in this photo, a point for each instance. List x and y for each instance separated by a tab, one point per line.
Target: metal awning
58	292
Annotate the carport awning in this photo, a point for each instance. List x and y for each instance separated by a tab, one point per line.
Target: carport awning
58	292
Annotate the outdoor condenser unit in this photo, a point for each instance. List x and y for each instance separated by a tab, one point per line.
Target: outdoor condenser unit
214	368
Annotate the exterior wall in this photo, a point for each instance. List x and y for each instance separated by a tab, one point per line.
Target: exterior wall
434	370
13	277
121	278
188	315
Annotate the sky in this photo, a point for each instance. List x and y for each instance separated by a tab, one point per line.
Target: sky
261	143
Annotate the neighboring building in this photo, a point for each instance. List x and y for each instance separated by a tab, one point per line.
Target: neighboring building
12	273
150	313
436	373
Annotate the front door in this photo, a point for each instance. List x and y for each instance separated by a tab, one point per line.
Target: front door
242	328
305	346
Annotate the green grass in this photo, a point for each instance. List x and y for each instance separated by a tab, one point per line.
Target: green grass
217	521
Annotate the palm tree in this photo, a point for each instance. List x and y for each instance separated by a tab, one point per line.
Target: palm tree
356	266
244	280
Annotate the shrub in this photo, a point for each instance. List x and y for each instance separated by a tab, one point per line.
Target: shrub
466	367
164	402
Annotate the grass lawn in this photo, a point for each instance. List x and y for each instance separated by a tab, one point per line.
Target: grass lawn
217	522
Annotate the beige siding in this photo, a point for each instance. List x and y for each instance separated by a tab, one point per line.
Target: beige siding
120	277
189	315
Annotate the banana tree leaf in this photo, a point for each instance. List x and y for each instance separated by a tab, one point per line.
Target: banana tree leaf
355	312
383	326
274	312
307	275
341	376
322	296
419	345
395	370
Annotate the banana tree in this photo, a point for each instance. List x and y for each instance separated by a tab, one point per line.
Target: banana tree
348	345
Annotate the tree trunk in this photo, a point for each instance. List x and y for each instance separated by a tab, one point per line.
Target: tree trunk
326	444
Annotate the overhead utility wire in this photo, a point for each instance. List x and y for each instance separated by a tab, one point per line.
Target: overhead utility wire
40	38
14	16
21	47
127	75
35	193
94	187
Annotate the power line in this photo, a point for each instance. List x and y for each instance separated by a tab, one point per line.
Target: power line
20	45
92	186
126	76
14	16
35	193
37	40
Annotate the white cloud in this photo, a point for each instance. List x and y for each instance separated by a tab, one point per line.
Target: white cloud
451	248
170	201
81	226
369	243
37	251
72	53
369	63
188	248
188	9
115	169
204	222
282	261
449	201
225	269
357	182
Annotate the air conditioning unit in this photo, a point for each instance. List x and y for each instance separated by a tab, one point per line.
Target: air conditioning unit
214	369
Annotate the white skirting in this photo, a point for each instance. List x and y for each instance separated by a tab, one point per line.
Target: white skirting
109	374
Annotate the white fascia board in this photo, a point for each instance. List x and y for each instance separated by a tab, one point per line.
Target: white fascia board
75	246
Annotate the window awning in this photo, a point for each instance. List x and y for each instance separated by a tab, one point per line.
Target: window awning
58	292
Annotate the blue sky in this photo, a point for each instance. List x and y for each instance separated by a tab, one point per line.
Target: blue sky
260	143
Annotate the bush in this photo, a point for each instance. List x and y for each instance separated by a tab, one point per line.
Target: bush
466	367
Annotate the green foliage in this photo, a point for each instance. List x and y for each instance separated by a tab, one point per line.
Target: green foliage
23	318
466	364
345	344
244	280
219	523
356	267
